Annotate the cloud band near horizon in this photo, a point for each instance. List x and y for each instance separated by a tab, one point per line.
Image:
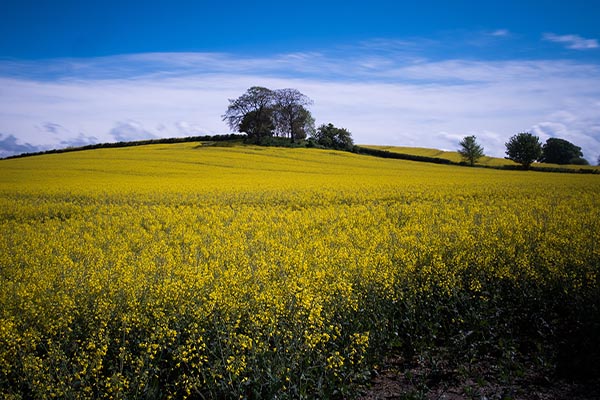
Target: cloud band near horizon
391	98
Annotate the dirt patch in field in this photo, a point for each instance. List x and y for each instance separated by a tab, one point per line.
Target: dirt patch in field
402	380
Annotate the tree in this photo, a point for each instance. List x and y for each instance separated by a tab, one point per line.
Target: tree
598	161
524	148
560	151
258	124
579	161
252	113
470	150
260	112
292	119
304	125
336	138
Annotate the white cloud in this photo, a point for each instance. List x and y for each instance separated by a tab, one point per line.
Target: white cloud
574	42
130	130
500	32
380	99
190	129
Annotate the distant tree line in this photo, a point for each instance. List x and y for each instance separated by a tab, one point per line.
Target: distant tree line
400	156
525	148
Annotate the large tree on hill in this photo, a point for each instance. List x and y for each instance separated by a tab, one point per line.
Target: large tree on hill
524	148
261	112
292	118
252	113
470	150
560	151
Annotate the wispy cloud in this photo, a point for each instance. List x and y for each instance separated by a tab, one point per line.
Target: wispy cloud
500	33
574	42
387	97
52	128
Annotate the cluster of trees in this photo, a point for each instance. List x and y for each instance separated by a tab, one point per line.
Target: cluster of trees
525	148
263	113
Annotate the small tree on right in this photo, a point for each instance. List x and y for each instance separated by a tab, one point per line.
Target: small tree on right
524	148
470	150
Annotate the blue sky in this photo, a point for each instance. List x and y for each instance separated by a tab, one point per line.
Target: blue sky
401	73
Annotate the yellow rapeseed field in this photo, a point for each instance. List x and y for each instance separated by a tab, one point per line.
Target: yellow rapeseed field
188	270
487	161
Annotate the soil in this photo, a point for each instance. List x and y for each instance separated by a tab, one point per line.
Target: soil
404	380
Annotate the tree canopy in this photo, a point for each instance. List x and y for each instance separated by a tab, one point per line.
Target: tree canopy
524	148
560	151
470	150
292	119
252	112
336	138
257	124
262	112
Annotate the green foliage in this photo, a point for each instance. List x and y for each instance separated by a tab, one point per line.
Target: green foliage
399	156
257	125
302	125
579	161
470	150
524	148
334	138
252	113
560	151
276	141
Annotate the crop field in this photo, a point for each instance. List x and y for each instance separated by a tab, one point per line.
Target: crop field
188	270
487	161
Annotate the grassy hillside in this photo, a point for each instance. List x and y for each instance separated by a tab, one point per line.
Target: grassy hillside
185	270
